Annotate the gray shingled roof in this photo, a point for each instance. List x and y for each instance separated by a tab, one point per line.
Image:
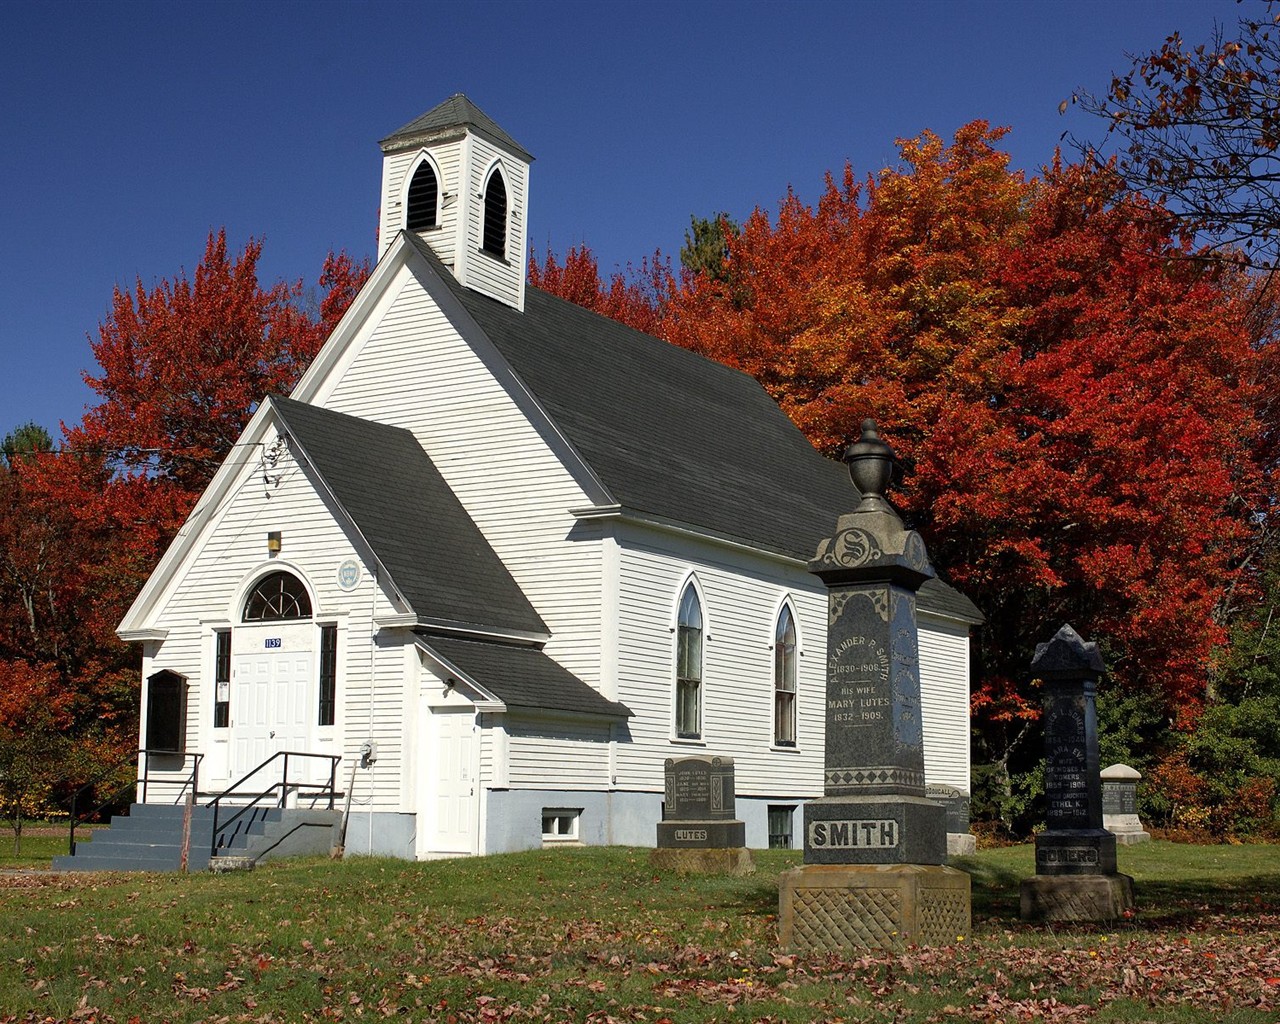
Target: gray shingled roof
436	555
523	677
673	434
455	112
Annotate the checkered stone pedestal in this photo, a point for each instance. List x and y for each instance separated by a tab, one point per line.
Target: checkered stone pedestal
830	907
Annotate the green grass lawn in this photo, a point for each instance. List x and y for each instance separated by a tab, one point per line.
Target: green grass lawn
598	935
37	850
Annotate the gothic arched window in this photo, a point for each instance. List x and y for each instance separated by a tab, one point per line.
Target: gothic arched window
280	595
784	680
689	666
495	216
422	201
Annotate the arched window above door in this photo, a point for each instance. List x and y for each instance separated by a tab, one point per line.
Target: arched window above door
279	596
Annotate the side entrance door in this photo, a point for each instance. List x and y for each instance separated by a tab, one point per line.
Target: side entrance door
448	799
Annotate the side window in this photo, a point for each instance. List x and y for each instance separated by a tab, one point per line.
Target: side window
423	199
495	216
689	666
222	679
784	680
328	673
167	712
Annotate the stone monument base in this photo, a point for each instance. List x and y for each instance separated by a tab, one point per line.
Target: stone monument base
830	907
1076	897
703	862
699	834
1124	838
961	844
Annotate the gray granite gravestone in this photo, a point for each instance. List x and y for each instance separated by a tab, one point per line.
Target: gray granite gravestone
1076	877
1120	805
874	843
698	831
955	802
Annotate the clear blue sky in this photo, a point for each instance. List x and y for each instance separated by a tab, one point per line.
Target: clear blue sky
130	130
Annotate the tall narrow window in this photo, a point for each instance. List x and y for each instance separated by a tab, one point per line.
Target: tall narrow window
328	672
495	216
222	679
278	596
784	680
166	712
423	199
689	666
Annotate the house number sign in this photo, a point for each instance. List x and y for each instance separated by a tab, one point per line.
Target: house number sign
271	643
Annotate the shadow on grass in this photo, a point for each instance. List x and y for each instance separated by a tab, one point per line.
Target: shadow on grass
1186	904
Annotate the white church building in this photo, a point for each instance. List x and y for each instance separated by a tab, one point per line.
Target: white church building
515	554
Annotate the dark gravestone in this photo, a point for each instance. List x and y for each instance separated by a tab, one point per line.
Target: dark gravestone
698	812
698	833
955	803
874	842
1074	844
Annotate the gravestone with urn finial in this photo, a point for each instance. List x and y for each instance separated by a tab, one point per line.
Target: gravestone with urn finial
875	845
1076	877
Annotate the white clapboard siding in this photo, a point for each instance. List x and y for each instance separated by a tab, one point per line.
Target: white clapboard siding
396	170
231	548
740	601
414	371
944	699
742	596
557	755
502	279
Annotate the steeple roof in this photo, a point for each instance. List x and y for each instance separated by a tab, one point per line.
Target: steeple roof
454	115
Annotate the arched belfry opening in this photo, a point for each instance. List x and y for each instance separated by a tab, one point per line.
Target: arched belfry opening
495	215
459	183
422	201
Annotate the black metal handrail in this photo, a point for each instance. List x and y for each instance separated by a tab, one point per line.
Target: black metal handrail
284	787
192	780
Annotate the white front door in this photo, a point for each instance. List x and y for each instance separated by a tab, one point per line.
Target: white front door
272	707
447	795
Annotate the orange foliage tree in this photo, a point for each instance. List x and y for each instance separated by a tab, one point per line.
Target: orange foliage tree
181	368
1077	406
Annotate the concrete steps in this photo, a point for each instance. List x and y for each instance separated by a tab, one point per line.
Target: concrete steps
149	838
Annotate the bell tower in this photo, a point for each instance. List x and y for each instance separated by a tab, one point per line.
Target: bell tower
459	182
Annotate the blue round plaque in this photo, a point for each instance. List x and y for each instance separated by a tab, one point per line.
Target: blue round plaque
348	574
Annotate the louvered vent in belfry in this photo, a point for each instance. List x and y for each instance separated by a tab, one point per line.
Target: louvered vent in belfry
495	216
424	194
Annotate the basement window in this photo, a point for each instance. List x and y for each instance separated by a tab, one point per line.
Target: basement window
780	826
560	825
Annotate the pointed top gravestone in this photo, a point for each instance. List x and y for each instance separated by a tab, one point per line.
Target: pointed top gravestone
1067	656
1076	877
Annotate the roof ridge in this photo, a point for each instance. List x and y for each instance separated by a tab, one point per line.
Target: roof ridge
458	111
